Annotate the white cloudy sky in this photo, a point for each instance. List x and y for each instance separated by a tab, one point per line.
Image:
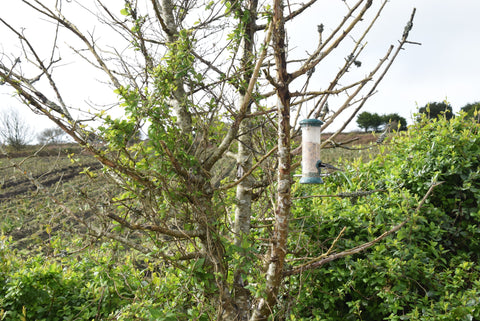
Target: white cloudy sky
445	66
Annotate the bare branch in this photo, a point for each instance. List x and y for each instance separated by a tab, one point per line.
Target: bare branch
70	26
318	55
377	82
179	234
230	136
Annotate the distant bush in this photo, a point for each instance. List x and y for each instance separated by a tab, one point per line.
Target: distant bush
14	130
51	136
376	122
433	110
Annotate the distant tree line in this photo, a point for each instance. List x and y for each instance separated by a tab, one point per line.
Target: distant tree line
436	109
444	109
376	122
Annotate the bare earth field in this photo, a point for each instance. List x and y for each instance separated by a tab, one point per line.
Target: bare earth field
354	138
28	184
30	217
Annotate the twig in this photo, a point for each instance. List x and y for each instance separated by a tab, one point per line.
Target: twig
330	249
179	234
402	42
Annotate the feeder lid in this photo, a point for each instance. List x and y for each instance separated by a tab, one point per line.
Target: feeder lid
311	122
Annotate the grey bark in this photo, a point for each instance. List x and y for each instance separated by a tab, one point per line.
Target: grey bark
164	11
265	305
244	192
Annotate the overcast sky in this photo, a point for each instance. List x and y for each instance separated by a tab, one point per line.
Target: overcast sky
447	64
445	67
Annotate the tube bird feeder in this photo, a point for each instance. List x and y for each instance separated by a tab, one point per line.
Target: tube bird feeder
311	164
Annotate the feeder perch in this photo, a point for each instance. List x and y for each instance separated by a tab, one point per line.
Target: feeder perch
311	164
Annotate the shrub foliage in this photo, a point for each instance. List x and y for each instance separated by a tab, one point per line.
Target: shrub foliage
428	270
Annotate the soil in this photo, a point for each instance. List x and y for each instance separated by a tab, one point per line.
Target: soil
30	231
21	186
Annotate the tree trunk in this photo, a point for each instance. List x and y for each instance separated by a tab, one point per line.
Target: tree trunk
282	211
243	210
178	101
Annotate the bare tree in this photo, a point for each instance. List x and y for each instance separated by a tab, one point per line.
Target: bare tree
14	129
53	135
213	84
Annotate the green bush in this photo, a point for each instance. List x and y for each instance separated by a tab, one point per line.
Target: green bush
97	285
429	270
43	288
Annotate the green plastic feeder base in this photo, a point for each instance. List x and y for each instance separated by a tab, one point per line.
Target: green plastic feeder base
311	180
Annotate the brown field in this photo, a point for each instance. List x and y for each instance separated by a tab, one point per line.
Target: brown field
349	146
30	182
27	213
354	138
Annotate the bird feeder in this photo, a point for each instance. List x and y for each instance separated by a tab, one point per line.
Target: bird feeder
311	164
